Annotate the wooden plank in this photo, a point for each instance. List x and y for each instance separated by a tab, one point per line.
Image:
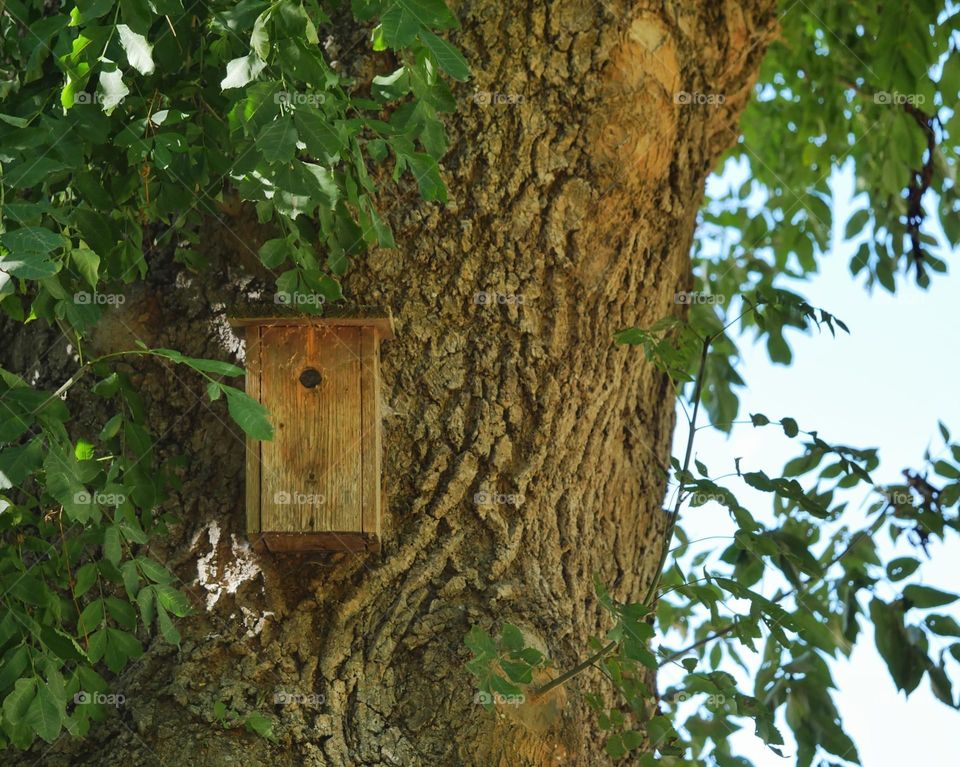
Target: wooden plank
311	471
252	385
370	425
383	324
316	542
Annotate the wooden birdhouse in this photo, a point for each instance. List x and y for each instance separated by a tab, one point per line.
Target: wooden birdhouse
316	485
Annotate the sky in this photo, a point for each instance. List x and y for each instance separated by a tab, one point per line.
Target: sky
886	386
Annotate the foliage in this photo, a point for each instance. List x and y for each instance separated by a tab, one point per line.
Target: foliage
866	87
128	127
830	576
253	722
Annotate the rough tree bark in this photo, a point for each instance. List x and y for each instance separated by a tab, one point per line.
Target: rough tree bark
575	191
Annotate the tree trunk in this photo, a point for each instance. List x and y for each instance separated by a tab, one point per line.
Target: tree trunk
575	176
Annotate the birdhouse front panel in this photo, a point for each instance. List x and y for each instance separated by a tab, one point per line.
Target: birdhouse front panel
310	473
316	485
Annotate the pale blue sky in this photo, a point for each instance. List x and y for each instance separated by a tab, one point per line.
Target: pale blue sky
884	386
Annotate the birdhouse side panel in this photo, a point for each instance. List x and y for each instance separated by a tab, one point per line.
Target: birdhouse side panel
252	386
370	403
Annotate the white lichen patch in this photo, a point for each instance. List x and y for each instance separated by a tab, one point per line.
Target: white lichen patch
253	621
224	578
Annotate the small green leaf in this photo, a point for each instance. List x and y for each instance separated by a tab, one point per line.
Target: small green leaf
113	89
278	141
925	596
511	638
274	252
139	51
249	414
901	568
83	450
790	427
111	544
172	599
45	713
449	58
241	71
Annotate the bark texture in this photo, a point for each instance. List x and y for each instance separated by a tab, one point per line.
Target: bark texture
574	188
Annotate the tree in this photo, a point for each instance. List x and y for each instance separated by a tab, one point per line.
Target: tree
164	162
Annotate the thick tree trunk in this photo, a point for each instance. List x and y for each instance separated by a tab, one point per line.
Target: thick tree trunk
574	190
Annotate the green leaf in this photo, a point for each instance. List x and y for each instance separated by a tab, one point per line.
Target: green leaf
427	173
943	625
448	57
398	27
121	647
278	141
154	570
940	684
925	596
18	702
85	578
790	427
111	544
113	89
88	264
318	134
480	642
19	462
259	725
111	427
905	663
856	223
167	629
274	252
173	600
31	240
83	451
902	567
241	71
202	365
511	638
139	51
45	713
249	414
14	663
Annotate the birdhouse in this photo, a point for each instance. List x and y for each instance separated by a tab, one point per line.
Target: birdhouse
316	485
